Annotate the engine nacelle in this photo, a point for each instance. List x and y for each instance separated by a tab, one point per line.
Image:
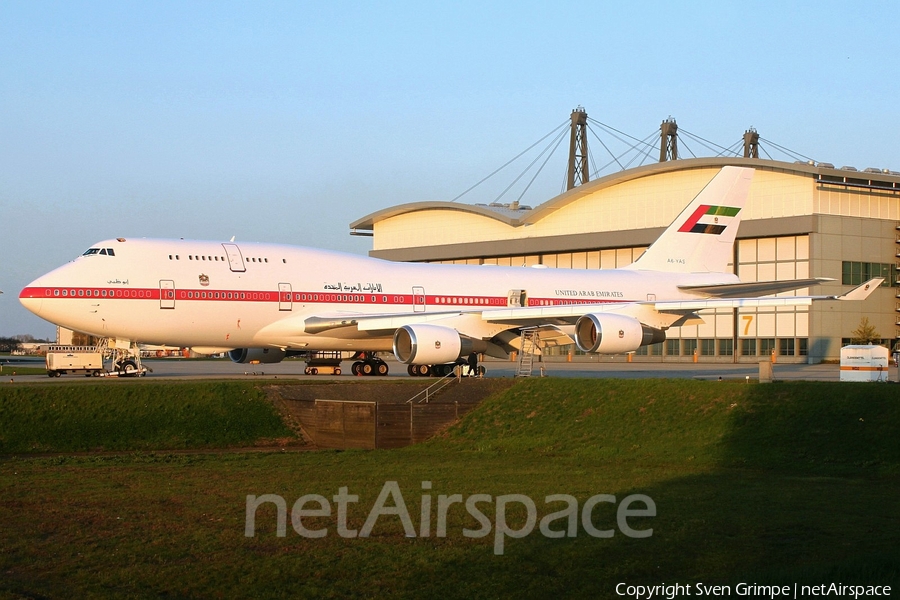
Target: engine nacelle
432	345
257	355
610	333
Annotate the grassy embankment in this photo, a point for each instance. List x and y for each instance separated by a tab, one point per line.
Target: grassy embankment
141	416
765	483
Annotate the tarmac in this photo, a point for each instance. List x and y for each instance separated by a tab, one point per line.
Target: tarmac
599	367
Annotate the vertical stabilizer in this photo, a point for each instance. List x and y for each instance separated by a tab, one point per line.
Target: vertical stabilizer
701	238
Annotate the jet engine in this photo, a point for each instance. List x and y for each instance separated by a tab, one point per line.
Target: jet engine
257	355
610	333
432	345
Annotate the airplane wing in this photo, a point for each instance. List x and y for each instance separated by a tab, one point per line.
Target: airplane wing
557	324
643	310
752	288
376	322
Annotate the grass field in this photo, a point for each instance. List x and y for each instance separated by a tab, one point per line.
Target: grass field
775	484
134	417
9	371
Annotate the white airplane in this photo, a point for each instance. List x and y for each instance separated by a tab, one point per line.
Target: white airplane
263	302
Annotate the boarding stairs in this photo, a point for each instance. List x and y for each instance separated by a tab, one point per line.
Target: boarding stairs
529	347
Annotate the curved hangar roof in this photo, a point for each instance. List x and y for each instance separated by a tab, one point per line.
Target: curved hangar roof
645	200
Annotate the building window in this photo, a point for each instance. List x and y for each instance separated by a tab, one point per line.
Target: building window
748	347
726	347
673	347
803	347
688	347
855	273
766	345
786	347
708	347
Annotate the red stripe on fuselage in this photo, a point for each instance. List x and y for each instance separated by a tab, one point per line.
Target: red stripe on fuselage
201	295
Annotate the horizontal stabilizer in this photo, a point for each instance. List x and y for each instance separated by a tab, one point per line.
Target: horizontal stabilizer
751	288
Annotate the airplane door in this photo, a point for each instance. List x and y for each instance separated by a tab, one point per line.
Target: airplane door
517	298
418	298
284	296
235	260
166	293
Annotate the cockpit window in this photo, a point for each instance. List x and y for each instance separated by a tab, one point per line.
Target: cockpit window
101	251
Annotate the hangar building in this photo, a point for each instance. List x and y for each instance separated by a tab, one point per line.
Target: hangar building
801	220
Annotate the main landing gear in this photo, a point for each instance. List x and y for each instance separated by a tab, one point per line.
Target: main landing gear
430	370
369	366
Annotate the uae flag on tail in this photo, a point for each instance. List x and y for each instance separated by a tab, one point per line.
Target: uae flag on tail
709	219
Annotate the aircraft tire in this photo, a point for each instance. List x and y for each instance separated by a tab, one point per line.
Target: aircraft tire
126	365
382	369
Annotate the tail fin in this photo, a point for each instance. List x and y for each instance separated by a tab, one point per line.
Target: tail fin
700	240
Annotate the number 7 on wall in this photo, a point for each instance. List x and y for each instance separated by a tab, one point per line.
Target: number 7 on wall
748	320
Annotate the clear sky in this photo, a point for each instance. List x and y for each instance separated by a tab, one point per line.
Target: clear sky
286	121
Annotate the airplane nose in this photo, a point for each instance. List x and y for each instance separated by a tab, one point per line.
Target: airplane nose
32	299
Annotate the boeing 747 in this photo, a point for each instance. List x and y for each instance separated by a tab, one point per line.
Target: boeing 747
264	302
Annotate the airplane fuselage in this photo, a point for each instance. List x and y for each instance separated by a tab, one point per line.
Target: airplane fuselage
226	295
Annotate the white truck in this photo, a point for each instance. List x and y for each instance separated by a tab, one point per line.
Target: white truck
92	361
75	360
